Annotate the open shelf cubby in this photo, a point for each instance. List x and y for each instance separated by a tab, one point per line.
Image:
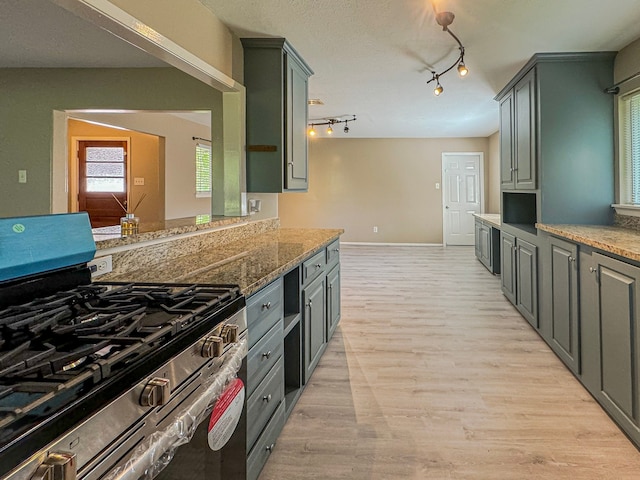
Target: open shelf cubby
520	209
292	339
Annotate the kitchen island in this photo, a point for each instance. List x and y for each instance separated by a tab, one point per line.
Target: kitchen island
291	281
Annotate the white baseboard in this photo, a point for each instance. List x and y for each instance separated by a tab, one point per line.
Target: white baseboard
380	244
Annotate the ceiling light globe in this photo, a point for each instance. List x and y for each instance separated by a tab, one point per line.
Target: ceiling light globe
438	90
329	130
346	129
463	71
312	132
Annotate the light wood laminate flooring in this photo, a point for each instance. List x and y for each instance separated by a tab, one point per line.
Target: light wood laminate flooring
433	374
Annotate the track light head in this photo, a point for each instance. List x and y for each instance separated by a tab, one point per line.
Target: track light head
438	90
312	131
463	71
346	127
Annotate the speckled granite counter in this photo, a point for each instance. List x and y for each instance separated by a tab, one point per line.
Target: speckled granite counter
109	237
491	218
251	263
616	240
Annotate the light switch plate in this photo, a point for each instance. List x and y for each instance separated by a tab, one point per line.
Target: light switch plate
138	181
22	176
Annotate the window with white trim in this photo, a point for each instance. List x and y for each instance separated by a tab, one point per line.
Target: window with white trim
203	170
630	148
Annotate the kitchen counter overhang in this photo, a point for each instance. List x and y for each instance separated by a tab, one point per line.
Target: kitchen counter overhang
251	263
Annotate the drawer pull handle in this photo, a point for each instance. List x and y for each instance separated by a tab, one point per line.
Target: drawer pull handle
267	398
336	250
267	355
592	270
266	306
270	447
318	266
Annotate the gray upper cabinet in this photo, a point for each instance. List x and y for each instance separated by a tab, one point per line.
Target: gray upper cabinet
507	178
518	135
524	160
276	78
556	140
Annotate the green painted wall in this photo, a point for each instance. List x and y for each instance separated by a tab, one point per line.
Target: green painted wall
28	98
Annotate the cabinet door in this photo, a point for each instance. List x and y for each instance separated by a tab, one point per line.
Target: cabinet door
478	227
564	302
618	296
485	245
508	265
525	132
527	281
507	179
315	315
296	128
333	300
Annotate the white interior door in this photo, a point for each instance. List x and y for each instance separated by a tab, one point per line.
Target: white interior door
462	196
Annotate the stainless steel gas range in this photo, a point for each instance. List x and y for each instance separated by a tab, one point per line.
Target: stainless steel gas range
109	380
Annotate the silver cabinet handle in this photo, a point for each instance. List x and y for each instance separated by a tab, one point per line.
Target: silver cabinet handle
266	306
266	355
318	266
571	259
267	398
270	447
592	270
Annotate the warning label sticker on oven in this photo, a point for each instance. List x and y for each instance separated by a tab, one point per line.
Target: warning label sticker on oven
226	415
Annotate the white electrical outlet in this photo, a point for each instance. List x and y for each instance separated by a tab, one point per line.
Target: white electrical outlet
139	181
101	265
22	176
375	229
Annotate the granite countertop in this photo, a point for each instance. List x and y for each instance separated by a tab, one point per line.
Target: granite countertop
109	237
250	263
492	218
617	240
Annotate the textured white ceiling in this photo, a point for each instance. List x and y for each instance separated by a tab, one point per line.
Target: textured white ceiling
370	57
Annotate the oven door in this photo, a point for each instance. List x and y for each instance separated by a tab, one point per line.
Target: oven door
178	448
197	461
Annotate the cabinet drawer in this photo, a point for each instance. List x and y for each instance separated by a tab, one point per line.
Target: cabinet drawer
333	252
312	267
264	309
263	356
259	455
263	402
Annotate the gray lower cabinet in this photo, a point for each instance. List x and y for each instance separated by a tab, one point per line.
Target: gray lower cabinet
611	338
487	239
289	324
527	281
519	270
508	265
333	300
265	374
563	308
315	327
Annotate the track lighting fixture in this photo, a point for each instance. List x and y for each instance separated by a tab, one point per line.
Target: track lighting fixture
445	19
330	122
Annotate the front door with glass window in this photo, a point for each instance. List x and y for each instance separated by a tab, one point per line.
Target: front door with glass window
102	173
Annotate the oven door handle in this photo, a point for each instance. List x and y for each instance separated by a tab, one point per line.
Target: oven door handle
156	451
